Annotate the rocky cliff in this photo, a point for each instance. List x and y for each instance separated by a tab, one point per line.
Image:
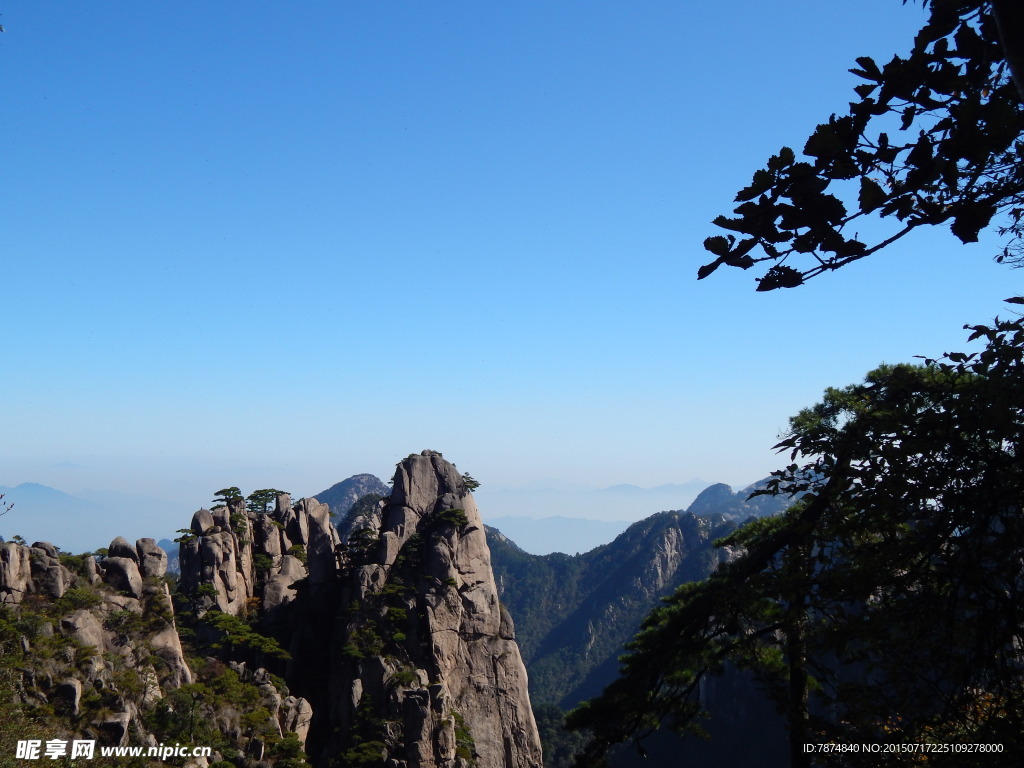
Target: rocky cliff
395	635
251	561
96	605
427	666
388	648
91	650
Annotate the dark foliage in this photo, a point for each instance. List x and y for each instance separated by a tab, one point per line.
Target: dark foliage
886	604
934	138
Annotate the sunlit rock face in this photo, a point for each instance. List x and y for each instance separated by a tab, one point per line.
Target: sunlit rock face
245	555
427	668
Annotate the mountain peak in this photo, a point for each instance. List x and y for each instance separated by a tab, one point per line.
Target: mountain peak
341	496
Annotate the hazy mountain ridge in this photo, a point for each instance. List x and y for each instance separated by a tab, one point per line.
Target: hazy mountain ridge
568	535
341	496
79	522
574	613
719	499
623	502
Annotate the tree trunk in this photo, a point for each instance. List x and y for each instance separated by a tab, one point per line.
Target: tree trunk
797	568
1009	16
799	730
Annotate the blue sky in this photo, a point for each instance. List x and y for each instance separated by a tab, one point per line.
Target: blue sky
269	243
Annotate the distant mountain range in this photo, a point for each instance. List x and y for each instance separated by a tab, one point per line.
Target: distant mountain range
586	606
570	535
545	535
86	521
622	502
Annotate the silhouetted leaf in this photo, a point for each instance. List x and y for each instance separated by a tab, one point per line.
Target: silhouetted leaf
908	117
717	244
761	183
823	142
868	69
871	195
780	276
970	219
784	159
707	269
736	225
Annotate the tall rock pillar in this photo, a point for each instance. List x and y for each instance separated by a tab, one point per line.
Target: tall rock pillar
426	667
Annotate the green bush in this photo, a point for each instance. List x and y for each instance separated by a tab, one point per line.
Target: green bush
125	623
456	517
75	563
76	599
465	747
367	754
404	676
236	632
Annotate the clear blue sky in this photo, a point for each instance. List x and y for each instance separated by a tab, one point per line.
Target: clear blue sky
279	243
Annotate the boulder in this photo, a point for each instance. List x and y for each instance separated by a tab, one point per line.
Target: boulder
15	572
322	541
202	521
217	552
278	590
152	559
122	574
120	547
68	695
49	577
296	716
112	731
84	627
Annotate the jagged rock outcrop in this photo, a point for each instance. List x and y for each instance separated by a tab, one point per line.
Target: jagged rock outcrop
427	668
31	570
423	661
101	632
245	555
392	641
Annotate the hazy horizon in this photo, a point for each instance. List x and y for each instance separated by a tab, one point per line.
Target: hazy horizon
38	516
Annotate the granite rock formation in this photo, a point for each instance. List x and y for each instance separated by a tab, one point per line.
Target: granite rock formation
248	556
388	647
719	499
398	643
427	668
113	623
